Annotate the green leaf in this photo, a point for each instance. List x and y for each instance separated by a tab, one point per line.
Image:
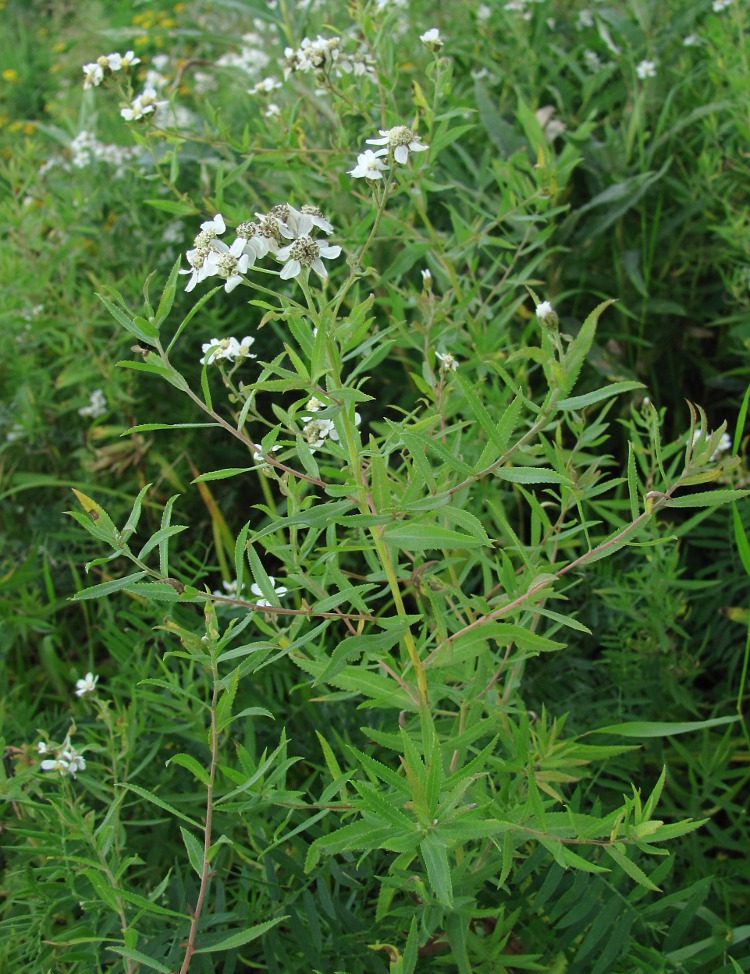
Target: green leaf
155	800
707	498
435	856
632	483
190	763
242	937
170	375
136	955
419	537
643	728
223	474
531	475
194	850
590	398
629	867
172	206
107	588
135	514
144	330
580	347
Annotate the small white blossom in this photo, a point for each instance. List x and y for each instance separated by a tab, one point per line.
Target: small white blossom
592	61
448	363
547	314
431	39
66	760
718	5
646	69
279	590
585	19
314	405
369	166
400	140
86	685
142	105
273	111
317	431
230	263
97	405
426	278
42	747
264	87
483	13
226	348
230	589
692	40
93	75
305	252
725	443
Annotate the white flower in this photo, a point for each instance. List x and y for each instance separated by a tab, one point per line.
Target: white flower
314	405
129	59
278	590
273	111
546	314
585	19
426	278
718	5
230	589
66	760
226	348
141	105
725	443
214	227
230	262
42	747
93	75
400	140
305	252
97	405
317	431
592	61
86	685
261	460
431	39
369	166
448	362
266	86
294	223
692	40
646	69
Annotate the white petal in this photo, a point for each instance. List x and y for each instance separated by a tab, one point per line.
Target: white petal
329	250
319	267
401	154
290	269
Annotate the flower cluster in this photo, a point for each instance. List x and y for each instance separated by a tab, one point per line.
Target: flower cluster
65	759
227	348
255	239
319	55
646	69
318	429
230	591
105	66
97	405
396	144
142	105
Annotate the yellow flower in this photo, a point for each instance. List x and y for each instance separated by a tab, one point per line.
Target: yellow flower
11	75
